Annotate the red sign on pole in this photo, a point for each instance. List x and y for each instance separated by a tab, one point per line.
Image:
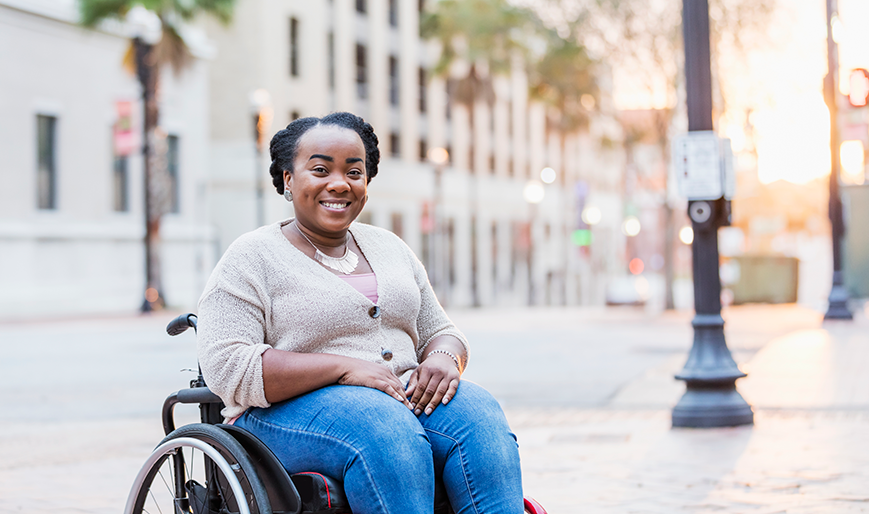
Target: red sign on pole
123	132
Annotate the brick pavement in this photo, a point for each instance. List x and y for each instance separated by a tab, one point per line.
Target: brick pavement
597	439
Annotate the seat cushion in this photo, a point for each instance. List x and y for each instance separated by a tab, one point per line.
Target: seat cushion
322	494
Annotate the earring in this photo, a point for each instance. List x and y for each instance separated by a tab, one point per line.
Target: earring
288	195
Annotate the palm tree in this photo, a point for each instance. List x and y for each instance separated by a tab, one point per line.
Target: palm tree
475	31
560	78
146	60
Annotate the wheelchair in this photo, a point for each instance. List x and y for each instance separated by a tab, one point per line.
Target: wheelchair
214	468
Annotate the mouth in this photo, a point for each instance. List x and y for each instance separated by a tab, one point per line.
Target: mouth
338	206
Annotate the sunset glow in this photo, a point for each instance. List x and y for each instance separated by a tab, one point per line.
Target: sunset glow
774	92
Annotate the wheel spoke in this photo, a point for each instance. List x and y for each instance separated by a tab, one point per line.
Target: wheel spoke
224	483
151	493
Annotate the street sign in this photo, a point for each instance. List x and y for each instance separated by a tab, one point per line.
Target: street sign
123	135
698	163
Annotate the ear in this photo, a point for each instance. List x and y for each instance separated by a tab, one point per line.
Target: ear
288	179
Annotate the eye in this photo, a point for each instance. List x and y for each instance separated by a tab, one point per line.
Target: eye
355	171
320	169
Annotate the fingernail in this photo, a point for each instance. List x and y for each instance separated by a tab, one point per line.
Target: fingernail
428	411
446	401
417	412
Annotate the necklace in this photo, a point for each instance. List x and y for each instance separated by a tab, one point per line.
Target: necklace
344	264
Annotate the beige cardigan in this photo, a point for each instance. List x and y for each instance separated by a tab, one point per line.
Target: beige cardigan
265	293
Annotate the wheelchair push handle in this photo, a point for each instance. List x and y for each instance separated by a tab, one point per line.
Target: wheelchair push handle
181	323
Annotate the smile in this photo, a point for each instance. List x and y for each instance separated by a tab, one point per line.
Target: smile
334	205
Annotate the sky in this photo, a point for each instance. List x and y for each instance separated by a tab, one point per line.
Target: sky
775	91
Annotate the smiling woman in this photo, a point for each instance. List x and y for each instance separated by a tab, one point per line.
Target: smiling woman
324	339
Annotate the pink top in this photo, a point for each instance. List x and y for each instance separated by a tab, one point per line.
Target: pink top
365	283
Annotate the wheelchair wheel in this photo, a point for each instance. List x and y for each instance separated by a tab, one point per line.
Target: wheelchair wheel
198	469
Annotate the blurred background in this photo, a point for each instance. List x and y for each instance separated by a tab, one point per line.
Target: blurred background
526	144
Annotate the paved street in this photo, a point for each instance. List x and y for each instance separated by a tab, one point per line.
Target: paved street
588	392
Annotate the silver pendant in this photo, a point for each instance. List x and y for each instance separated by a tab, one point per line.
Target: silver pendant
345	264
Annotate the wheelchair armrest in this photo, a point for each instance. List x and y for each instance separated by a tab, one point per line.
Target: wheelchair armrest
197	395
200	395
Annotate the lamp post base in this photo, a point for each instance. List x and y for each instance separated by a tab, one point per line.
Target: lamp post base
710	375
838	306
709	406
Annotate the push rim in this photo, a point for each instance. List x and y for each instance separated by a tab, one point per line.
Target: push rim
159	470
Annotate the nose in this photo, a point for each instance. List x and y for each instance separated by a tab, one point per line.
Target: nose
338	184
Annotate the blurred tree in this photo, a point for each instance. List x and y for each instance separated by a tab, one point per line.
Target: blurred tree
146	60
488	33
496	32
560	78
493	36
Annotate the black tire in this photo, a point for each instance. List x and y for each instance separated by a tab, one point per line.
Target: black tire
198	468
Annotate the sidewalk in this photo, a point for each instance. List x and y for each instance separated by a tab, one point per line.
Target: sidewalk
808	451
588	392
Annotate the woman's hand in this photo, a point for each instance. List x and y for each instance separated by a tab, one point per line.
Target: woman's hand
375	376
433	382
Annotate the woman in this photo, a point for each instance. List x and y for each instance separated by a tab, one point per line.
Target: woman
310	328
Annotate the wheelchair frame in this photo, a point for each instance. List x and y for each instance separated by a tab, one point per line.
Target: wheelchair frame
237	464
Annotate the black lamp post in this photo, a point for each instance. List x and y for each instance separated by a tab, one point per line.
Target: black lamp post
838	301
710	374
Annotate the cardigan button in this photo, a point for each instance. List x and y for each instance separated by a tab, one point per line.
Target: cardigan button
386	354
374	312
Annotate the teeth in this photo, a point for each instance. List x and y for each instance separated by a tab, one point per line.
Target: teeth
335	205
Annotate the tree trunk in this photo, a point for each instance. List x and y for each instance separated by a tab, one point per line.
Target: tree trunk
147	71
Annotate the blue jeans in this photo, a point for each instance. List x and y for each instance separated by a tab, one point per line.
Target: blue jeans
388	458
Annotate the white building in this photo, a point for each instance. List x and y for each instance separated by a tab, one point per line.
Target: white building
71	206
365	56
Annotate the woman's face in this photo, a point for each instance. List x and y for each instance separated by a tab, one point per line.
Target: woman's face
329	184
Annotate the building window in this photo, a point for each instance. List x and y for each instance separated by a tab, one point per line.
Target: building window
393	13
393	80
495	250
451	251
394	144
120	183
423	150
398	224
361	6
364	217
331	51
294	47
449	100
172	165
361	72
46	172
422	83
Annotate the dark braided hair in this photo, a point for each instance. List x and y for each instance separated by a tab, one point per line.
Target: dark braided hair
285	144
